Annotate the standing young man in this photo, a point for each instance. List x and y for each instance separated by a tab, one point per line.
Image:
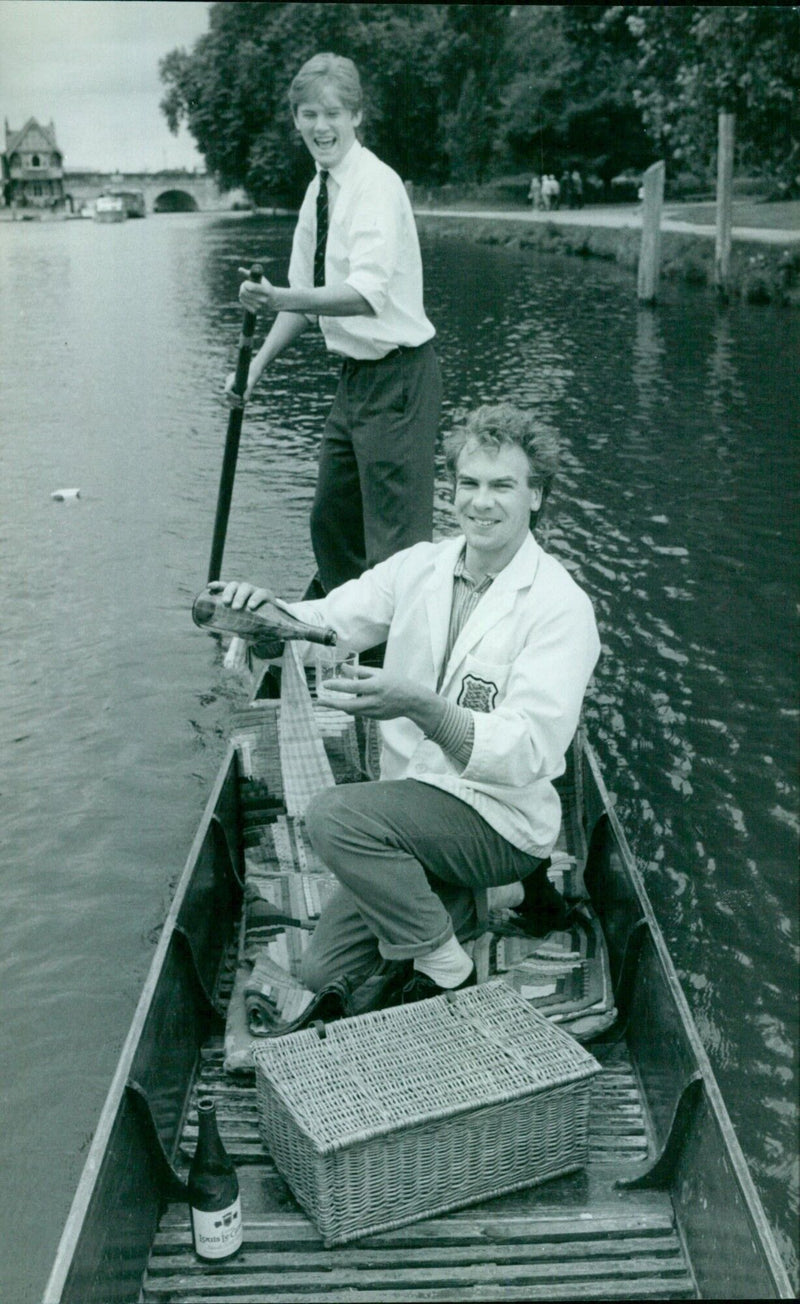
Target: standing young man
356	268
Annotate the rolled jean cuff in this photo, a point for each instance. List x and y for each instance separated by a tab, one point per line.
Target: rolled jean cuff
410	950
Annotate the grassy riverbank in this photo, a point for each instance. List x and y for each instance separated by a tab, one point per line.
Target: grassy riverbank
761	271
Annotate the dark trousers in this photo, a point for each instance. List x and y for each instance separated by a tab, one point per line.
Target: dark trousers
375	483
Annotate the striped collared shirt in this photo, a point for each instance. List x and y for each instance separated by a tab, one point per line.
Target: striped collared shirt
455	732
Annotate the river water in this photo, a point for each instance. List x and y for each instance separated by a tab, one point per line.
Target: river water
677	510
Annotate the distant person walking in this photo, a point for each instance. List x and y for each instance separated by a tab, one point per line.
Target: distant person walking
535	192
566	189
550	192
356	269
577	189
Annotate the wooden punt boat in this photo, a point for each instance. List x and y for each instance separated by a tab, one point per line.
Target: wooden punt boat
666	1208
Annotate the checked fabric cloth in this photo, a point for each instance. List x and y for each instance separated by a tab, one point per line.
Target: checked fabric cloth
304	761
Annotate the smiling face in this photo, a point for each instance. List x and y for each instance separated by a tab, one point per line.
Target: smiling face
493	504
327	126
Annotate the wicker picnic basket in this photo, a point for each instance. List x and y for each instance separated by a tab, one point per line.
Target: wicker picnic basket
404	1113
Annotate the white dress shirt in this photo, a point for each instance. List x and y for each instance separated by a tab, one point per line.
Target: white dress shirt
372	246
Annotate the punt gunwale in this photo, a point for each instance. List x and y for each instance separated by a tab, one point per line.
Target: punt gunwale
223	813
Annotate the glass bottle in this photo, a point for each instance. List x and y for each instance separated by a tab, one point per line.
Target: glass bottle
215	1206
264	629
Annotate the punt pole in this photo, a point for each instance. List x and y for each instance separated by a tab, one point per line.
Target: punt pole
232	438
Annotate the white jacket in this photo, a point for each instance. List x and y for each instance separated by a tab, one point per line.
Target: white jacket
521	662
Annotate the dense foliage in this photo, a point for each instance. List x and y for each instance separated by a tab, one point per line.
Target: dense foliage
466	92
568	92
697	59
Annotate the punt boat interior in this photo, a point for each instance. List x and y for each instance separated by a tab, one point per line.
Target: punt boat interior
665	1207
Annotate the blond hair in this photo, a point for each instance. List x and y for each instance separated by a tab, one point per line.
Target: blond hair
334	68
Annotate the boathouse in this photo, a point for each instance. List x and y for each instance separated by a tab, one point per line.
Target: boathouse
32	167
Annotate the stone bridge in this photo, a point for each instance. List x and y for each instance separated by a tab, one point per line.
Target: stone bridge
164	192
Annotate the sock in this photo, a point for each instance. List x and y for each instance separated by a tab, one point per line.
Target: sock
448	966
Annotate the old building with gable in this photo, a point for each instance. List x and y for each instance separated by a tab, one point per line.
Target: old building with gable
32	167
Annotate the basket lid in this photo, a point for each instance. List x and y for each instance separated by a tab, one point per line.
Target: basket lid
392	1068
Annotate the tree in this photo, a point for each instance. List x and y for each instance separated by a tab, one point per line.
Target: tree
469	134
569	90
533	100
461	91
231	90
399	51
695	60
473	73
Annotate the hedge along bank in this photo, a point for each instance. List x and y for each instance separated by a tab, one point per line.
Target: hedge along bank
759	273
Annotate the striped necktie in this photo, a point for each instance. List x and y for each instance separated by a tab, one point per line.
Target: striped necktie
322	229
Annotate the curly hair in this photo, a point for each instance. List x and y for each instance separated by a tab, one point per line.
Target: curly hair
502	426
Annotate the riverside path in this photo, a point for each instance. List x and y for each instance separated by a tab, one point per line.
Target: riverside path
620	216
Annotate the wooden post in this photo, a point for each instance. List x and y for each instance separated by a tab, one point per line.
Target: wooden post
722	257
650	250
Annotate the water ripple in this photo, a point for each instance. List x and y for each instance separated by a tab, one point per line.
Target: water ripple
676	510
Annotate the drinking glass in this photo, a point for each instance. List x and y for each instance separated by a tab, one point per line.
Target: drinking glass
329	664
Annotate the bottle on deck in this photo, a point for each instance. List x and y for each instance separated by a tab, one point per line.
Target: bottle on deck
214	1203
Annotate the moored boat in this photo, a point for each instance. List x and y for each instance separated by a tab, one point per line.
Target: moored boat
110	208
133	201
666	1207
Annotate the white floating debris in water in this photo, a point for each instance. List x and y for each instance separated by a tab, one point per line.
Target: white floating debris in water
65	495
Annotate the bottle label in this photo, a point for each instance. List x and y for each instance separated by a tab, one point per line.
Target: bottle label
216	1235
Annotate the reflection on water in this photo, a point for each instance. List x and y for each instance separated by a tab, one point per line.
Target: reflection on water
648	360
676	510
724	389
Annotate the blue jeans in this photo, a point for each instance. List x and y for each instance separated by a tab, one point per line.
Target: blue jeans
409	859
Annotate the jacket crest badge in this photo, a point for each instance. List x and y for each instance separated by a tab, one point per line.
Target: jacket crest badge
477	694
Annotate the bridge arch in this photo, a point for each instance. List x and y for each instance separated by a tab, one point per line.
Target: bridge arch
175	201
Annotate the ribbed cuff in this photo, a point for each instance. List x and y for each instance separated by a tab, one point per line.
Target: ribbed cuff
455	733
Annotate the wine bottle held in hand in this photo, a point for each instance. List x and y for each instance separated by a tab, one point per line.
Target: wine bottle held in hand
266	629
214	1203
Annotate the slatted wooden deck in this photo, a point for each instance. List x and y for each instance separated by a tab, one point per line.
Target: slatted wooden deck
575	1238
578	1237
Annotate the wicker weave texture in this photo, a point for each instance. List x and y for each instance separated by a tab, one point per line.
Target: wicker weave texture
406	1113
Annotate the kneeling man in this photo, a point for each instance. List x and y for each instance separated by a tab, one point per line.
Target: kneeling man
490	645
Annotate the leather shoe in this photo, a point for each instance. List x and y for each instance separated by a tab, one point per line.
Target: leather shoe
543	909
420	987
382	989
